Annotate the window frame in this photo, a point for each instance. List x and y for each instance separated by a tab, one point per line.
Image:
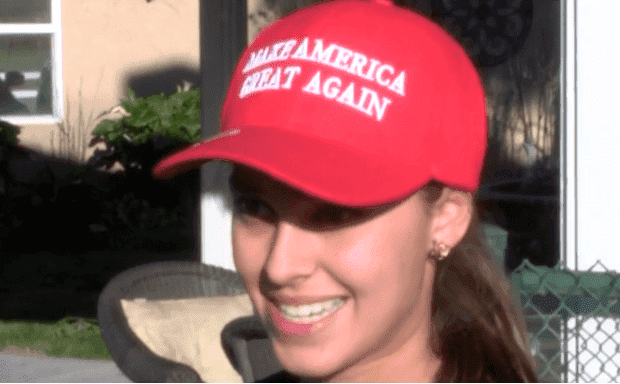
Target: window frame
54	29
568	136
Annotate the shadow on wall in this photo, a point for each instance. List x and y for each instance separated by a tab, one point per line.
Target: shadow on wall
166	81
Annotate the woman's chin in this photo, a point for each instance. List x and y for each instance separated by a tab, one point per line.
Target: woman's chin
304	370
309	370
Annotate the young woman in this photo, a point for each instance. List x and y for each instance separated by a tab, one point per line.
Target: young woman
357	132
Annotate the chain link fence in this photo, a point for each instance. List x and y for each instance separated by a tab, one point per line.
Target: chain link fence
573	320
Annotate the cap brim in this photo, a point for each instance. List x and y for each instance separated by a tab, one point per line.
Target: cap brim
319	168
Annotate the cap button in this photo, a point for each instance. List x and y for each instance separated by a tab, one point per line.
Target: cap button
383	2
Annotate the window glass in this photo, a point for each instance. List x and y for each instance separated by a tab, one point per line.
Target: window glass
25	11
516	46
25	74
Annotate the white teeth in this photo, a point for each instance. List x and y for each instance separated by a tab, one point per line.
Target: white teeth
313	311
305	311
316	308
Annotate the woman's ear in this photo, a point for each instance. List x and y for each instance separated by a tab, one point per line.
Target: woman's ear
451	217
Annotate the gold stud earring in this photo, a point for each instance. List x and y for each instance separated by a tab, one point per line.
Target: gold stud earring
440	250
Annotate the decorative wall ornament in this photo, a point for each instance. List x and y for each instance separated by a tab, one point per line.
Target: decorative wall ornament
492	31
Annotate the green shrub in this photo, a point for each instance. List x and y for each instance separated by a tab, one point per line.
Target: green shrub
151	128
175	117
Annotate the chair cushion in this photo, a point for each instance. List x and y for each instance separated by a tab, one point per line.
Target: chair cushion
188	331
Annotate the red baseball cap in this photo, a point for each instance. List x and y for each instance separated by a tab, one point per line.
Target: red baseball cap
356	102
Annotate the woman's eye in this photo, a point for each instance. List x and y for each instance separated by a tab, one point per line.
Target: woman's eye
249	206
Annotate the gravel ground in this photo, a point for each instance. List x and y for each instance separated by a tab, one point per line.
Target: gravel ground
23	366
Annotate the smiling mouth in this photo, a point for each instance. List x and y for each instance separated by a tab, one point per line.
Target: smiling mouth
302	321
307	314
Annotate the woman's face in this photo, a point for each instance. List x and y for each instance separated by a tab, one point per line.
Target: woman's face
363	277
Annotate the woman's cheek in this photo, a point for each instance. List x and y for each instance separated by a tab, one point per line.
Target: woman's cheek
247	254
362	259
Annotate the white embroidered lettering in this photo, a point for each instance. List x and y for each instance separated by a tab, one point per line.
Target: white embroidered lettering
373	104
332	92
273	54
245	87
371	70
286	51
363	99
290	72
314	86
398	85
319	54
261	57
341	61
334	55
368	103
348	96
277	52
267	79
379	75
302	50
357	64
264	77
249	86
274	82
251	63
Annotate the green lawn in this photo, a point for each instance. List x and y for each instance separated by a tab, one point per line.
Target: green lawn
69	337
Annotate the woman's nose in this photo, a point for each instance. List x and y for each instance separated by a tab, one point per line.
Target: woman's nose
294	254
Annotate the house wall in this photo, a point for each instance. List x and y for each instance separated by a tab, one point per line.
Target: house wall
108	45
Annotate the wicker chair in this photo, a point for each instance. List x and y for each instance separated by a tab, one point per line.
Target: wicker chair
244	340
249	349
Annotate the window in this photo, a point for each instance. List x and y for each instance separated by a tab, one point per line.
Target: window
30	61
516	45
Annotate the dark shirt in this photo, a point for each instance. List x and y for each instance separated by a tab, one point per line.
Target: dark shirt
280	377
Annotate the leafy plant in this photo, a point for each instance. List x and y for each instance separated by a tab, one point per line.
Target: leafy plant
174	117
150	128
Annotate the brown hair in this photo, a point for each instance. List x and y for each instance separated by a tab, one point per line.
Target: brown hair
478	327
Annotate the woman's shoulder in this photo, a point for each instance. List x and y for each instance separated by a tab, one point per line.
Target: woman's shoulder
280	377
